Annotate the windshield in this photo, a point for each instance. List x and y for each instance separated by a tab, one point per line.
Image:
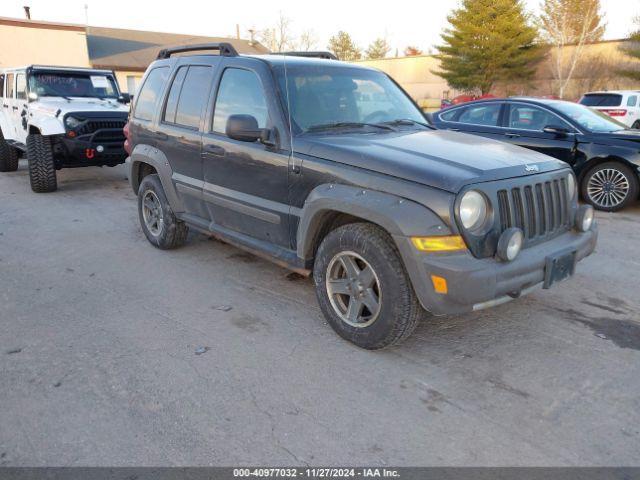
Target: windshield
72	84
325	97
589	118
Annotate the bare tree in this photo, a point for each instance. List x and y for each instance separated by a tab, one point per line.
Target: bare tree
308	40
278	38
568	25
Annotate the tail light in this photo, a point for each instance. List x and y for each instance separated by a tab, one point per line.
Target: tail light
614	112
127	145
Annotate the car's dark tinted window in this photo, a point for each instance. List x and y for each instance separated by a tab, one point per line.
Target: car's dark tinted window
193	95
485	114
174	95
240	92
150	93
529	117
601	100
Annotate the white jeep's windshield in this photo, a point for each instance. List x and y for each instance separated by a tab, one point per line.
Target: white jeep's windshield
326	97
72	84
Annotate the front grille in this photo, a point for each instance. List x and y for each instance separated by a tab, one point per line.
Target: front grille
540	209
92	126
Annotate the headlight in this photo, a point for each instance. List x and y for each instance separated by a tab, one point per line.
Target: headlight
473	210
571	186
584	218
72	122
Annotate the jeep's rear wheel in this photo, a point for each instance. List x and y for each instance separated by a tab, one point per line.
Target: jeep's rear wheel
42	167
362	287
9	157
159	223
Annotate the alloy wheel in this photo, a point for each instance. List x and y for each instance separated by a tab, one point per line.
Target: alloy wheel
608	188
152	213
354	289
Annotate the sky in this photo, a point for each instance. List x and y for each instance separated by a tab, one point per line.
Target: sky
402	22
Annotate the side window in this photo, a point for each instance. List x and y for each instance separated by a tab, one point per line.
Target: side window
633	101
150	93
193	96
240	92
528	117
174	94
450	115
1	85
485	114
21	86
10	85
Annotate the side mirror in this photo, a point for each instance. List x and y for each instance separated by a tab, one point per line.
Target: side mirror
124	98
32	96
245	129
556	130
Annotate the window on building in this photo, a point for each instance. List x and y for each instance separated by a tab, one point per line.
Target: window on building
240	92
150	93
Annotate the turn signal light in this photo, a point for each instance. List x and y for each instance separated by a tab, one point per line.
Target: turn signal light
439	284
443	243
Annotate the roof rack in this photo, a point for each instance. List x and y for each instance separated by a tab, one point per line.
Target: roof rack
225	49
325	55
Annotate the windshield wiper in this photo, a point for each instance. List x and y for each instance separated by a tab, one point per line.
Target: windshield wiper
405	121
335	125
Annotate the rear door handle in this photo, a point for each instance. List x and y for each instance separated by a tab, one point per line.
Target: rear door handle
512	135
214	150
15	108
454	129
5	105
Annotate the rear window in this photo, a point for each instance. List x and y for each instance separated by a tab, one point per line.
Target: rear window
601	100
193	96
150	93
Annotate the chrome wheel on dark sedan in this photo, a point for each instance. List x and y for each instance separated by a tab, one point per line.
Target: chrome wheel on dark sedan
610	186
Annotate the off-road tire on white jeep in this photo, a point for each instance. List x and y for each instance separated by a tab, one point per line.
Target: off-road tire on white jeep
159	223
9	157
42	167
621	181
398	310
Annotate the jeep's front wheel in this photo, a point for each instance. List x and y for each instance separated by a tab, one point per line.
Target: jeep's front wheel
362	287
9	157
42	167
159	223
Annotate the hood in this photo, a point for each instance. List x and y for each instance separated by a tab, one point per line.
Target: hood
620	136
438	158
77	104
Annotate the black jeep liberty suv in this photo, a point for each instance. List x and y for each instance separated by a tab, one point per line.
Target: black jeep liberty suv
330	169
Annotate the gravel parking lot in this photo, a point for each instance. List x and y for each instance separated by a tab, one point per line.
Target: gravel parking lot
99	334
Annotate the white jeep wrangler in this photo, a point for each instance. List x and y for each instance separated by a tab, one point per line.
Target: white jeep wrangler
60	117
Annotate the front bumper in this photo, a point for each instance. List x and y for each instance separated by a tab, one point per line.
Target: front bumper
474	284
81	152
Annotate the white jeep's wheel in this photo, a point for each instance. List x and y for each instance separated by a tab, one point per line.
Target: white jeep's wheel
9	157
42	167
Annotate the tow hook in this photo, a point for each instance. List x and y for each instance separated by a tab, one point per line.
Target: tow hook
90	153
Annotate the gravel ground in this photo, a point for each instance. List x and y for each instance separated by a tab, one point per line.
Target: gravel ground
99	363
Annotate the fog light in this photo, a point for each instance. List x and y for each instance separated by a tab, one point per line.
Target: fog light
584	218
510	244
100	148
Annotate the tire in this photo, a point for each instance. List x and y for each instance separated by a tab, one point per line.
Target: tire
610	186
159	223
42	167
636	125
9	157
398	310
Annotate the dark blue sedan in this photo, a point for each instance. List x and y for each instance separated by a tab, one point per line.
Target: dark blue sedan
604	153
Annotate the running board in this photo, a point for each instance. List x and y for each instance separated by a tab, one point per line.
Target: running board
280	256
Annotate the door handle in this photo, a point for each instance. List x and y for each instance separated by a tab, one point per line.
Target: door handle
5	105
15	108
512	135
214	150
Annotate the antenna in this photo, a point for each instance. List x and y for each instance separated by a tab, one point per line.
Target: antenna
86	14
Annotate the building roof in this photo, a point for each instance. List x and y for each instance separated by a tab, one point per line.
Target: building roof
121	49
25	23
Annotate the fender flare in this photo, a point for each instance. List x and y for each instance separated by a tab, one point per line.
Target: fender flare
47	125
399	216
158	160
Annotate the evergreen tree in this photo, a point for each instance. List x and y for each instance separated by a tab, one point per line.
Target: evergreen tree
379	48
488	41
343	47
